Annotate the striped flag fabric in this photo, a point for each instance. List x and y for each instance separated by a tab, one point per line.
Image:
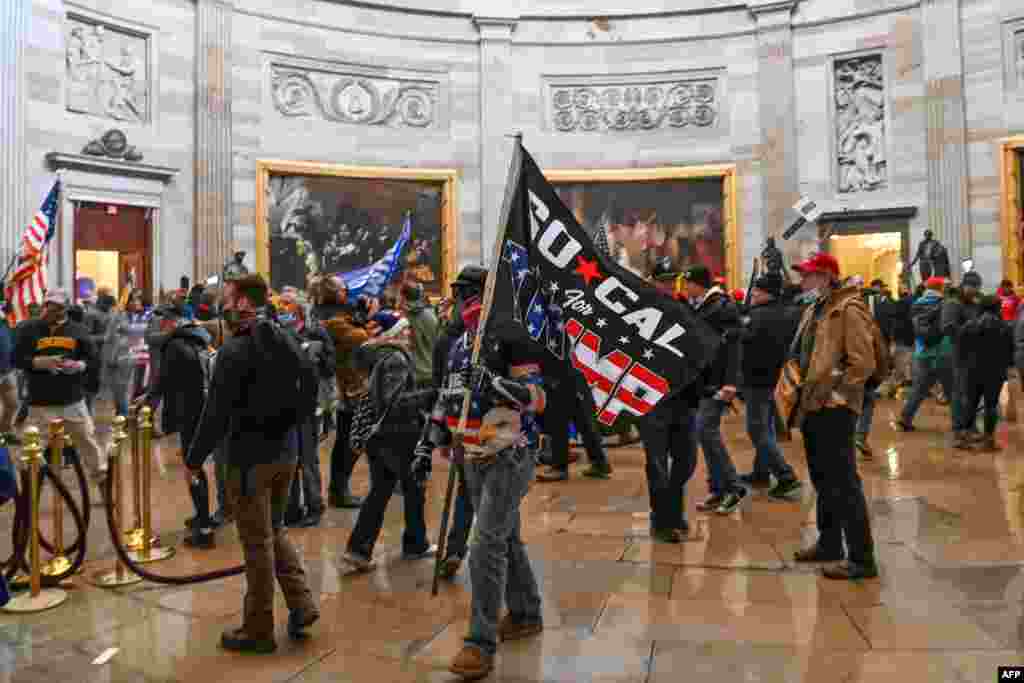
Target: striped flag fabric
27	285
371	280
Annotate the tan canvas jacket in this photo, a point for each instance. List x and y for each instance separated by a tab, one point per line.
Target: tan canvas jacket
843	358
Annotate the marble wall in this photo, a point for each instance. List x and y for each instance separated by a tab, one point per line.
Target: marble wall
456	77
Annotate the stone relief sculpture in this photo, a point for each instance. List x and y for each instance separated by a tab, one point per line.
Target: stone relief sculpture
350	98
106	72
113	144
647	106
860	124
1018	42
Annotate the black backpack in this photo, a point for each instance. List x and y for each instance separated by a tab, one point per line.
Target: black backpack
289	377
928	325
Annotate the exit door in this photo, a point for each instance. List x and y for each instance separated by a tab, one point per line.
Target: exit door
112	247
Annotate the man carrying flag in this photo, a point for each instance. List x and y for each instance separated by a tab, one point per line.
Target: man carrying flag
550	291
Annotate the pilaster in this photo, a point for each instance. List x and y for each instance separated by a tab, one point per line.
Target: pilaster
946	129
497	112
777	106
214	221
14	28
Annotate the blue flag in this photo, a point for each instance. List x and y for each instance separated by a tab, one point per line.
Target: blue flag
371	280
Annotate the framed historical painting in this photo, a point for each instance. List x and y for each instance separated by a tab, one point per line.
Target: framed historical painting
685	213
321	219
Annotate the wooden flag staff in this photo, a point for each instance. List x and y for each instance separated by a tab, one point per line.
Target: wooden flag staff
492	276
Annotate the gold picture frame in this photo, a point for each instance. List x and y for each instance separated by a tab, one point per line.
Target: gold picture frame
447	178
1010	182
730	197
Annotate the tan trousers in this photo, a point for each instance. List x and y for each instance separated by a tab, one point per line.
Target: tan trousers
79	426
258	497
8	403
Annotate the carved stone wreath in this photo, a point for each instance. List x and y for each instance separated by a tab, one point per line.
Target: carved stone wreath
353	99
634	107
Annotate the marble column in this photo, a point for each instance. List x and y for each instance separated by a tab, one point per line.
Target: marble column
214	210
497	113
776	102
14	27
946	128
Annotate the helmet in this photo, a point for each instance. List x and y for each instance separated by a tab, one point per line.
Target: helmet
664	269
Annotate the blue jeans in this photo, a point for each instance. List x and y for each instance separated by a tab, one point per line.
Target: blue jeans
499	568
671	450
926	373
761	416
867	415
722	477
462	521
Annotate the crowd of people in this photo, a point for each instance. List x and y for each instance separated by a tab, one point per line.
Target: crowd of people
256	380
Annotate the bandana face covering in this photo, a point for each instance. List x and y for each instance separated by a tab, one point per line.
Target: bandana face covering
471	313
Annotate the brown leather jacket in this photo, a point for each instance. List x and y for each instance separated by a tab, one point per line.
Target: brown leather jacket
347	338
843	357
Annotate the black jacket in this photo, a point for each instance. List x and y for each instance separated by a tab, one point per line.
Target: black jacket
241	378
766	341
448	337
895	320
955	313
986	345
71	340
179	383
720	312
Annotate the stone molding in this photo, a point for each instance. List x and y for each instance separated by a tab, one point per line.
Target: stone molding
1013	54
109	166
355	95
108	67
758	7
610	104
495	28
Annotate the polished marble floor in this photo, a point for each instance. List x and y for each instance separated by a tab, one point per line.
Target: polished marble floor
727	606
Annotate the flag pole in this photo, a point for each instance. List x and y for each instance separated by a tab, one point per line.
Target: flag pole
492	276
506	208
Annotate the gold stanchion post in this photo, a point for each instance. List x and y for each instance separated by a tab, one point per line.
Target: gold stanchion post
120	576
151	550
133	537
59	563
37	599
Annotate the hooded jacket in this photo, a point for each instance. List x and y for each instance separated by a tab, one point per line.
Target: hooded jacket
986	345
347	338
179	383
423	333
925	304
125	347
766	341
955	313
69	339
720	312
842	352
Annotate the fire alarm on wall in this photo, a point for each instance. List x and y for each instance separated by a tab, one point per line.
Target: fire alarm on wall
111	210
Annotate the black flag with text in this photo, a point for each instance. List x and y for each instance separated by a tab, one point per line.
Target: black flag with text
632	344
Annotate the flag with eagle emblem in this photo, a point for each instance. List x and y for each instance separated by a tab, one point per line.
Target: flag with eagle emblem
633	345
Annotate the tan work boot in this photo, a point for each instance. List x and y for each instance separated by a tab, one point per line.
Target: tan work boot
514	629
471	663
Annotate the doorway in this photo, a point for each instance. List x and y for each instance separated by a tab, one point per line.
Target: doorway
112	249
872	256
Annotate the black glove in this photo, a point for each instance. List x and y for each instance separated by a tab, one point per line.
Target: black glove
422	463
477	378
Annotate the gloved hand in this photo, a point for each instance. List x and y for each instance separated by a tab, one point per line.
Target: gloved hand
477	378
422	463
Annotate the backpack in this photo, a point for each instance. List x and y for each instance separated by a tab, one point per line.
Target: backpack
883	357
928	326
290	379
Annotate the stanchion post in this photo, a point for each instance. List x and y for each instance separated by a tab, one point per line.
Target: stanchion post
120	576
133	537
59	563
151	550
37	599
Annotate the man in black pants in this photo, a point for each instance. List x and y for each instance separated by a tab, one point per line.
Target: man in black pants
835	349
570	401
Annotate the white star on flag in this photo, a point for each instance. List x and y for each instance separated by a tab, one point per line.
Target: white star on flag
514	257
648	354
623	340
553	287
601	322
538	309
521	274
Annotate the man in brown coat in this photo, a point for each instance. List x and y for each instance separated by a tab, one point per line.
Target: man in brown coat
333	311
835	348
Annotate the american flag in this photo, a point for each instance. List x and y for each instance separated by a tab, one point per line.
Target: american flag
27	285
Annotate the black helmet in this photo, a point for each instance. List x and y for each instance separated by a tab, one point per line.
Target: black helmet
664	269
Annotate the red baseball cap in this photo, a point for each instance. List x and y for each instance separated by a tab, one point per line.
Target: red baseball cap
819	263
936	283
